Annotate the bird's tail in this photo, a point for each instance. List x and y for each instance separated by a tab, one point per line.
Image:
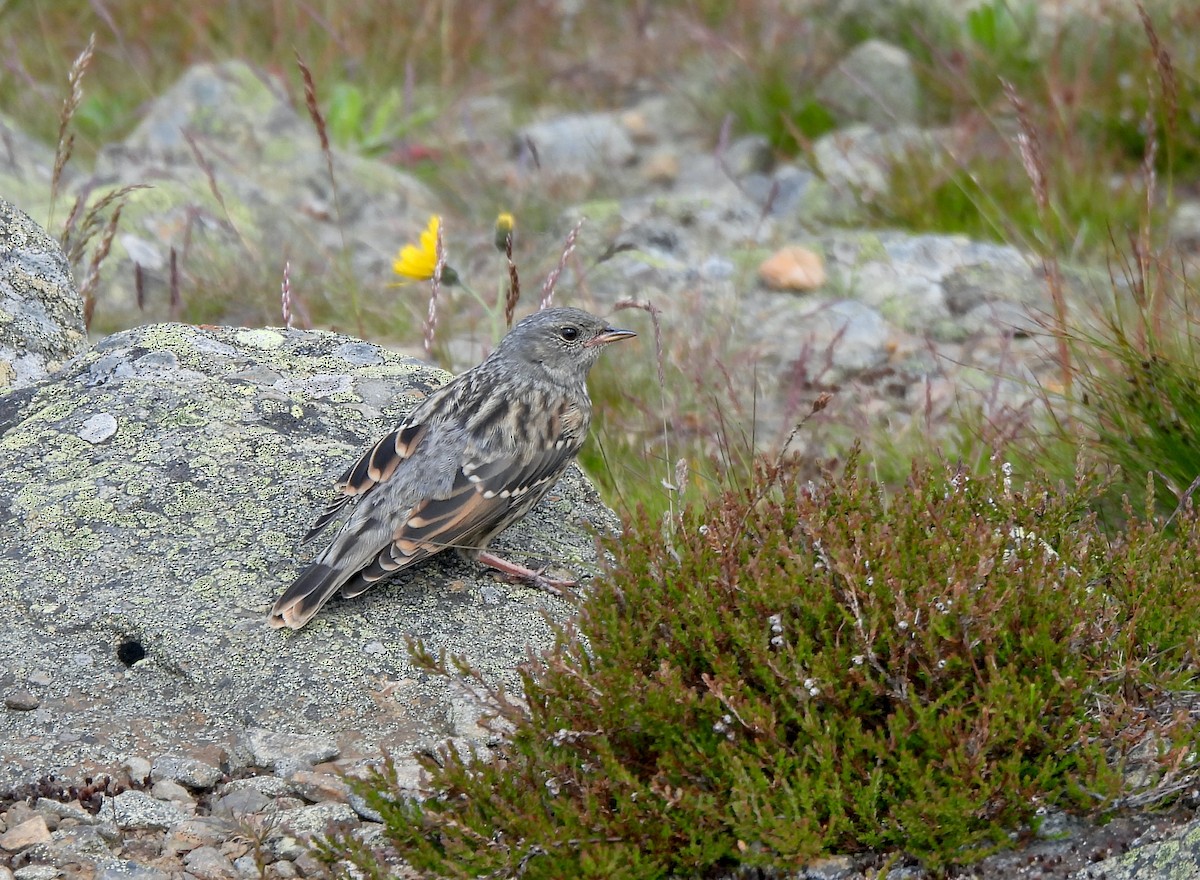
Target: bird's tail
304	598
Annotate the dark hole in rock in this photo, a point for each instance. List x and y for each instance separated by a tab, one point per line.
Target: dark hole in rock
130	651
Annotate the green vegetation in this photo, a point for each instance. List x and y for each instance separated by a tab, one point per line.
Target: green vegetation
794	670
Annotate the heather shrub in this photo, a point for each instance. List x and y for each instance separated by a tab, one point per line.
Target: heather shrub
797	669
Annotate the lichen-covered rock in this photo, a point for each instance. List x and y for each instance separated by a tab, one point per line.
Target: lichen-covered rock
41	314
238	178
151	498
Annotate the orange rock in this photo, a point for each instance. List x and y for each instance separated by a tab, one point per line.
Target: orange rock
793	268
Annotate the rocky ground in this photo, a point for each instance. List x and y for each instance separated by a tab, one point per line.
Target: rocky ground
134	651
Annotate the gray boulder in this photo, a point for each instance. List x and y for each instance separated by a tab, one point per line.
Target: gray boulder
238	183
151	498
41	315
876	84
578	146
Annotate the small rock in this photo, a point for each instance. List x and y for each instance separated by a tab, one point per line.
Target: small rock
748	155
286	848
22	700
29	832
318	787
41	678
129	871
241	802
309	866
577	144
137	810
661	167
137	768
639	126
170	790
71	811
246	866
209	863
18	813
37	872
793	268
288	751
73	846
194	833
271	786
875	83
98	428
282	870
316	818
186	771
371	834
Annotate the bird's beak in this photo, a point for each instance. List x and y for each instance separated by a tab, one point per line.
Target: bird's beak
611	334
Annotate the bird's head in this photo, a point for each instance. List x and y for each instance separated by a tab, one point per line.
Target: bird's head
565	342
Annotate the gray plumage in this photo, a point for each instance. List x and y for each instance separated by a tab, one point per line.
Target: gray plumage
471	460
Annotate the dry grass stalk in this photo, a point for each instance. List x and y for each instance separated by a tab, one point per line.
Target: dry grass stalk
1164	67
66	140
318	119
513	296
655	314
91	280
552	278
176	295
435	286
314	112
286	294
1033	161
81	226
210	175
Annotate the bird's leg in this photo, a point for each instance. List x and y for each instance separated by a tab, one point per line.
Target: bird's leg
522	574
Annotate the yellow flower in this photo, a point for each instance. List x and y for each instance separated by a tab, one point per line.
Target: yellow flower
417	262
504	228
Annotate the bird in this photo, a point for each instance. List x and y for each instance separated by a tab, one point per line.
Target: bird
473	458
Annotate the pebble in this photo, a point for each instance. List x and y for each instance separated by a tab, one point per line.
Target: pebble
277	751
129	871
137	768
187	771
22	700
134	810
98	428
37	872
201	831
283	870
240	802
793	268
317	787
309	865
170	790
316	818
209	863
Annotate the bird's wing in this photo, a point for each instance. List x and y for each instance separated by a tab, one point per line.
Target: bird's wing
376	465
488	493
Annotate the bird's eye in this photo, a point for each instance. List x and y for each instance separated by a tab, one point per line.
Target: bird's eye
570	334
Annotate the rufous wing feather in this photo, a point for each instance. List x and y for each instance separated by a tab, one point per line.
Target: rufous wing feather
375	466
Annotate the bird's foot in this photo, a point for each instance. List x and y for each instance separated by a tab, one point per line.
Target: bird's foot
521	574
